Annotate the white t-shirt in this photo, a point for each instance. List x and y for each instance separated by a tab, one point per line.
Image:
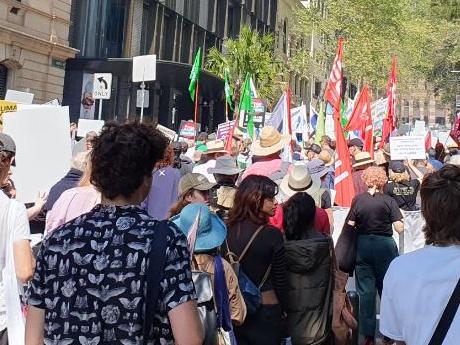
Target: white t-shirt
203	170
416	290
21	232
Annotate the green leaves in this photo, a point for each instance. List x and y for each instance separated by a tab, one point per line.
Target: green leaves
250	53
421	33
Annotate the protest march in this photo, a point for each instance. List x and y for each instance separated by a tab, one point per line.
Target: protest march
278	226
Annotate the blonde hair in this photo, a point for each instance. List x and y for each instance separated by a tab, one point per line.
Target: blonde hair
399	177
85	180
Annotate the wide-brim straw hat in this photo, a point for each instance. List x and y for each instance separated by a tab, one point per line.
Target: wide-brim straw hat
215	146
299	180
362	158
270	141
326	157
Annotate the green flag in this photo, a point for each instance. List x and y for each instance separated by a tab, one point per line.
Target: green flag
320	124
195	74
247	106
228	91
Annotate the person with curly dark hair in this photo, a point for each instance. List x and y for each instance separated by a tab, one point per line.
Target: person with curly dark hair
93	272
263	262
418	285
308	263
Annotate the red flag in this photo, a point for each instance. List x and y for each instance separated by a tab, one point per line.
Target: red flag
361	120
343	180
428	141
455	132
333	91
390	120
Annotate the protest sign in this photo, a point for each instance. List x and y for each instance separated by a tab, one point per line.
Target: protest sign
259	112
43	148
455	132
224	129
86	126
188	129
419	128
170	134
19	96
378	111
6	106
407	147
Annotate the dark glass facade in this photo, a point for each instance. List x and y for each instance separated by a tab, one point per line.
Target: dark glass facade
109	33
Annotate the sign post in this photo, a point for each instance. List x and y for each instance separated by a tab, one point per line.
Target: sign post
144	69
102	88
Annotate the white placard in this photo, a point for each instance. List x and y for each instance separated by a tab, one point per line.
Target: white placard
102	85
86	126
43	148
166	131
144	68
19	96
407	147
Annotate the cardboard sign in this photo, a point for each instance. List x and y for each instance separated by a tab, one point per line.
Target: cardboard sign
86	126
6	106
188	129
43	148
19	96
223	130
170	134
407	147
144	68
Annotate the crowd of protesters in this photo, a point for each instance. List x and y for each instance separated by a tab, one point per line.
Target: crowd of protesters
152	242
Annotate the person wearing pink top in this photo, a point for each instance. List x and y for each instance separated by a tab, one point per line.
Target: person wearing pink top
73	202
70	205
266	159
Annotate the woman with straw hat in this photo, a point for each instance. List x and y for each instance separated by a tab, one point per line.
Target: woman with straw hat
363	160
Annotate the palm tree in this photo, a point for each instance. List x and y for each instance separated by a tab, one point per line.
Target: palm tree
253	53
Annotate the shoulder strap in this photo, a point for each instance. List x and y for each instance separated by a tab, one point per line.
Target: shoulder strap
243	253
447	317
157	261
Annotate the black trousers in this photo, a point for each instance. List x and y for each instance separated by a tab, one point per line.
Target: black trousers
4	337
265	327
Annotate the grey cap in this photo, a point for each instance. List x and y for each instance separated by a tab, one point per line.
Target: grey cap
7	143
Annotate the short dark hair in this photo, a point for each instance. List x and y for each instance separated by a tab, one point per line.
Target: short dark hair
298	216
440	193
123	155
249	199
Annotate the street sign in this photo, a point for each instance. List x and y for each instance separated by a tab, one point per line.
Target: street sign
139	102
144	68
102	85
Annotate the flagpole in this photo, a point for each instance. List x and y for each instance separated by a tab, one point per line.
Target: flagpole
196	100
226	111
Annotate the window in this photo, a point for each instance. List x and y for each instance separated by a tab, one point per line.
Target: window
3	80
285	37
416	109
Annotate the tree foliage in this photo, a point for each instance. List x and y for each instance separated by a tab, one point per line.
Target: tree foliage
421	33
252	53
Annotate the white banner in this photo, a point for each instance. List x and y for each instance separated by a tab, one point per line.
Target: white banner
407	147
299	119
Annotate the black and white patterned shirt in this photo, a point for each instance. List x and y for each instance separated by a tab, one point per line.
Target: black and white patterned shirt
90	279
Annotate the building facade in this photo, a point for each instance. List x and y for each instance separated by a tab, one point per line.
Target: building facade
109	33
305	87
34	47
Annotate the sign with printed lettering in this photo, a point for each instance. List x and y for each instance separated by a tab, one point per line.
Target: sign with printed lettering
407	147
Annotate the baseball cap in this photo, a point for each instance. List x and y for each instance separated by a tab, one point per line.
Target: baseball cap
315	148
7	143
194	181
355	142
397	166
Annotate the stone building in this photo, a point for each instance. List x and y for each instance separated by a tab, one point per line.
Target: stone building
34	47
